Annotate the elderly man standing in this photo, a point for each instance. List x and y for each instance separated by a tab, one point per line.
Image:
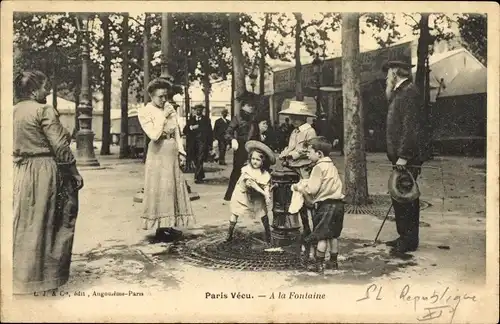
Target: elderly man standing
220	129
404	147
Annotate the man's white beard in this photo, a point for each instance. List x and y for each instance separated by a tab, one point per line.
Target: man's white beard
389	89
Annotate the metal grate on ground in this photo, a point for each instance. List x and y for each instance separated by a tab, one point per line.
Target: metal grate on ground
248	252
379	206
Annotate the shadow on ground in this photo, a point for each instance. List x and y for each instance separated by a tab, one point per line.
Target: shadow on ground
127	264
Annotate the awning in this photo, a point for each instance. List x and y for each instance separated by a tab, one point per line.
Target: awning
467	83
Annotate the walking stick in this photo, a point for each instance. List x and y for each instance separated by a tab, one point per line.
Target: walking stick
381	226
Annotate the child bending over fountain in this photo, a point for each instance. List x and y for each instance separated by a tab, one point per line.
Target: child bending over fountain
323	190
252	195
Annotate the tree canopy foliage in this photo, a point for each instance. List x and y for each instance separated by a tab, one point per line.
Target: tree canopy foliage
473	31
51	42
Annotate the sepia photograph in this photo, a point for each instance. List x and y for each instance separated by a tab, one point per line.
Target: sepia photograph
249	162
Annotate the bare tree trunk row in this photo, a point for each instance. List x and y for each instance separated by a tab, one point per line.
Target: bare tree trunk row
146	64
356	185
124	150
238	59
106	114
299	93
262	51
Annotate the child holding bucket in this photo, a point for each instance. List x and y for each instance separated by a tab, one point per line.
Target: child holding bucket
252	194
323	190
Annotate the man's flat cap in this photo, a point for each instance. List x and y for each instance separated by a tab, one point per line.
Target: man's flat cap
396	64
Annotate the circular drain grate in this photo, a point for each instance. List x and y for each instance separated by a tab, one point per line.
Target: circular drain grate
245	252
248	252
379	207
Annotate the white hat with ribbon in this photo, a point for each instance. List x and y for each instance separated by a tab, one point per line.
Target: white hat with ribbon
298	108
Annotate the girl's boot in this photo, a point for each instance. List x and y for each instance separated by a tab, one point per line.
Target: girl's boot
230	232
267	228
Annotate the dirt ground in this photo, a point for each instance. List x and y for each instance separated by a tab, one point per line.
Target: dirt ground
113	254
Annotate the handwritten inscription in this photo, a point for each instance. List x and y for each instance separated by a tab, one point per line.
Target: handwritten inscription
371	290
434	305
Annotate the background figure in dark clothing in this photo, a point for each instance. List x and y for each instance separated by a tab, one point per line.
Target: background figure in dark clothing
238	133
287	129
220	129
199	128
190	148
324	128
404	147
263	132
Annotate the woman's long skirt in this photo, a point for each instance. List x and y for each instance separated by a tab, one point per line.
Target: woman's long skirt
166	199
45	211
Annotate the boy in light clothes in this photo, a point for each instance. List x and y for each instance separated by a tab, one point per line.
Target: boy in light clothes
323	190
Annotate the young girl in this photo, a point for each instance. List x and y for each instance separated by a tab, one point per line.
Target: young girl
323	190
251	196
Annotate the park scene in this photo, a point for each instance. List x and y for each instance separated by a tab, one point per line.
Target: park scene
372	125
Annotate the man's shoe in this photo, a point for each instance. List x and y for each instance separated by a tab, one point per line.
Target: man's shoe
393	243
332	265
402	248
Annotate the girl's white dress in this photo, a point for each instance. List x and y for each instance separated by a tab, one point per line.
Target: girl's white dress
245	200
166	199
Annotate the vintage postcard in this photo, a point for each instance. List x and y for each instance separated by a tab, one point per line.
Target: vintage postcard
249	161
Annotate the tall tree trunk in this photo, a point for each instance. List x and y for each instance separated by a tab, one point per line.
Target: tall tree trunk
422	51
54	86
124	150
356	185
106	108
187	100
262	51
206	85
233	89
238	59
299	94
424	41
77	102
54	78
166	42
146	65
147	56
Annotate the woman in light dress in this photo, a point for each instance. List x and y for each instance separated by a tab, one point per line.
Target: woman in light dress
166	199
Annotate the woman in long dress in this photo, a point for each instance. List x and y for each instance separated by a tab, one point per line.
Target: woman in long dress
46	184
166	199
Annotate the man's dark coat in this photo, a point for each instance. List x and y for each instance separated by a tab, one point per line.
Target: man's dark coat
403	124
241	129
200	141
